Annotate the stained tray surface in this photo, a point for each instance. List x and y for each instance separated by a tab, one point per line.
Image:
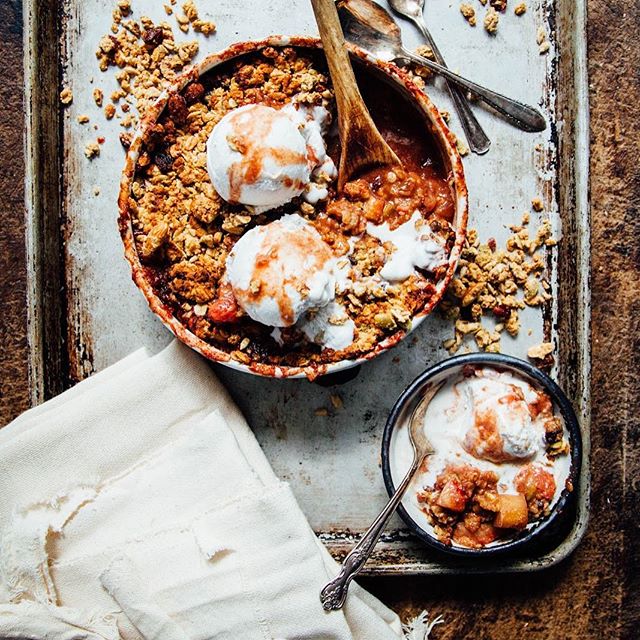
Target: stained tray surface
332	462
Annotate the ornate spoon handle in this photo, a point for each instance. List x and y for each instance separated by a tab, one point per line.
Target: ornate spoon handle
520	115
334	593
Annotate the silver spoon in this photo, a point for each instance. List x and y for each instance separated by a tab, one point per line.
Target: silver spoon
334	593
369	26
478	141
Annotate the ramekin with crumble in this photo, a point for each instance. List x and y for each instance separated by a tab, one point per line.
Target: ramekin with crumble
238	237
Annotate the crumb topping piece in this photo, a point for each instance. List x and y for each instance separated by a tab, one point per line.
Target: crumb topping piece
469	13
491	20
66	96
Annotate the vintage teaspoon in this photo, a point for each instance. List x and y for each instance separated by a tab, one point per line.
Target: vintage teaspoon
334	593
369	26
478	141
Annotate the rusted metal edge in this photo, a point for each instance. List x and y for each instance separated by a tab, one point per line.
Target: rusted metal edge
46	314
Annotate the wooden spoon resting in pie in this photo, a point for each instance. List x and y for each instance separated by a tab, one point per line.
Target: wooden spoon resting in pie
362	145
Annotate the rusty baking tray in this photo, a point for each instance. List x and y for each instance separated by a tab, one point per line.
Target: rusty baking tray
85	312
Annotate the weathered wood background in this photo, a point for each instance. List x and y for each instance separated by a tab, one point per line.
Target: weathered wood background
595	593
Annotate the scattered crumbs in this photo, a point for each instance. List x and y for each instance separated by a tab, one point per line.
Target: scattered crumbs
445	115
167	9
520	9
322	411
496	283
539	148
483	2
66	96
463	148
499	5
125	7
109	111
336	401
92	150
83	118
418	72
96	191
469	13
98	96
491	20
540	351
537	204
541	39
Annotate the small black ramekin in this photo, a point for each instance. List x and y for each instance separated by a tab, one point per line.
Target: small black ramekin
530	373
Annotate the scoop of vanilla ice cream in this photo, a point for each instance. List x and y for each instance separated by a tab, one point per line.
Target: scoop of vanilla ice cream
502	428
280	270
415	245
264	157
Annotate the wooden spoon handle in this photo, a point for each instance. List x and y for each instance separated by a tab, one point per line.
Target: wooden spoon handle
346	90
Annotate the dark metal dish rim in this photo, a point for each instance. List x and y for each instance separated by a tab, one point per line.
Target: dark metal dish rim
560	400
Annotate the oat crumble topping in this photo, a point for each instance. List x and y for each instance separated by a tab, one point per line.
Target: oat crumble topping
82	119
520	9
184	231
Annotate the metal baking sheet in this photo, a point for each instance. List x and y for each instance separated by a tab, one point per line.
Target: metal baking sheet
85	312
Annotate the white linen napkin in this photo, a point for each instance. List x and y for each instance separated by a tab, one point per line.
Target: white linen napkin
138	505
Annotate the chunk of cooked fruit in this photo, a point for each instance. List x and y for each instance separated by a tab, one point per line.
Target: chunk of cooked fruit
513	512
452	496
538	486
535	482
224	308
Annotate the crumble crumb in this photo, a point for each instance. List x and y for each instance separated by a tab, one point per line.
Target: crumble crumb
491	20
92	150
336	401
322	412
520	9
541	39
469	13
82	118
109	111
125	7
167	9
96	191
537	204
66	96
540	351
499	5
98	96
463	148
419	72
445	115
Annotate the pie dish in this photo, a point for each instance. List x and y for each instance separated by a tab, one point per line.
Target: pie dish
466	497
182	239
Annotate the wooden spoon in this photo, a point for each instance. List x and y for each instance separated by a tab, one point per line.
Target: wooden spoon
362	145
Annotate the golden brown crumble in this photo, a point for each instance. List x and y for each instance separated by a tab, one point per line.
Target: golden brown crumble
540	351
82	118
491	20
488	283
98	96
66	96
92	150
469	13
520	9
499	5
537	204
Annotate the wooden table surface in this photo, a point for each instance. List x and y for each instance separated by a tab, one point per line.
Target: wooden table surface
594	594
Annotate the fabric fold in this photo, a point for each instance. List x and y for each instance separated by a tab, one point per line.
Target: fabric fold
147	510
